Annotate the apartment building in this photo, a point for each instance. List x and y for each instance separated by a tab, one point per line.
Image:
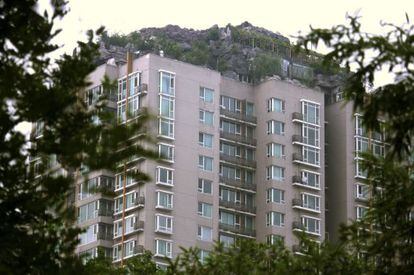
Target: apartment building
239	161
347	191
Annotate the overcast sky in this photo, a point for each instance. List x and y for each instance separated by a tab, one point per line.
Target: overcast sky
287	17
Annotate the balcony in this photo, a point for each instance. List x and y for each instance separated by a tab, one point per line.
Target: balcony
297	179
105	212
297	157
138	249
139	226
297	117
143	89
297	226
296	203
105	236
238	183
238	116
238	160
238	138
238	206
237	229
297	139
140	201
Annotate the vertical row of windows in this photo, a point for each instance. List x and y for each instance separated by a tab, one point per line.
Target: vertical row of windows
133	97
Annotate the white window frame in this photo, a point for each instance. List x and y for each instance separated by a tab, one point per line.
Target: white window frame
271	127
202	142
305	176
203	183
203	94
317	109
270	219
271	198
171	76
305	198
171	105
170	182
203	204
304	223
168	248
271	150
360	193
201	234
203	165
170	204
168	228
271	103
270	173
171	149
203	119
170	127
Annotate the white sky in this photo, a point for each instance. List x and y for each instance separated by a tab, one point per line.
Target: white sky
287	17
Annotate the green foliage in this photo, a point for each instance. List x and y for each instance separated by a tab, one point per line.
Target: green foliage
213	34
199	53
115	39
37	231
265	65
384	236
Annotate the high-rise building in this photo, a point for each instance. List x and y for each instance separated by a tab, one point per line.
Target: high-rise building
240	161
347	190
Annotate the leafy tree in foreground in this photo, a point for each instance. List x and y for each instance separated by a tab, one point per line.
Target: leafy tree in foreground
37	233
384	238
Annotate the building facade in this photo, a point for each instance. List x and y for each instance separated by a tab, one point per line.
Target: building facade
239	161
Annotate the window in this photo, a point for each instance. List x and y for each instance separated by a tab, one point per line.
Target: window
206	117
275	105
205	163
275	173
273	239
166	107
361	211
230	150
311	155
205	140
164	176
205	186
129	249
275	195
249	109
163	248
131	223
230	172
166	127
206	95
311	225
275	219
163	224
90	235
275	150
378	149
310	135
164	200
359	171
166	151
229	218
275	127
167	83
203	255
231	104
310	201
310	179
205	209
310	112
339	96
230	195
361	191
131	200
122	87
133	105
361	145
226	240
121	114
205	233
360	129
230	127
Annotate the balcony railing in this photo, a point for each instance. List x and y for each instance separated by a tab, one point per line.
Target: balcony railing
238	229
297	138
139	225
140	201
238	138
297	157
297	116
297	226
138	249
105	212
238	160
238	183
297	179
297	202
106	236
238	116
238	206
